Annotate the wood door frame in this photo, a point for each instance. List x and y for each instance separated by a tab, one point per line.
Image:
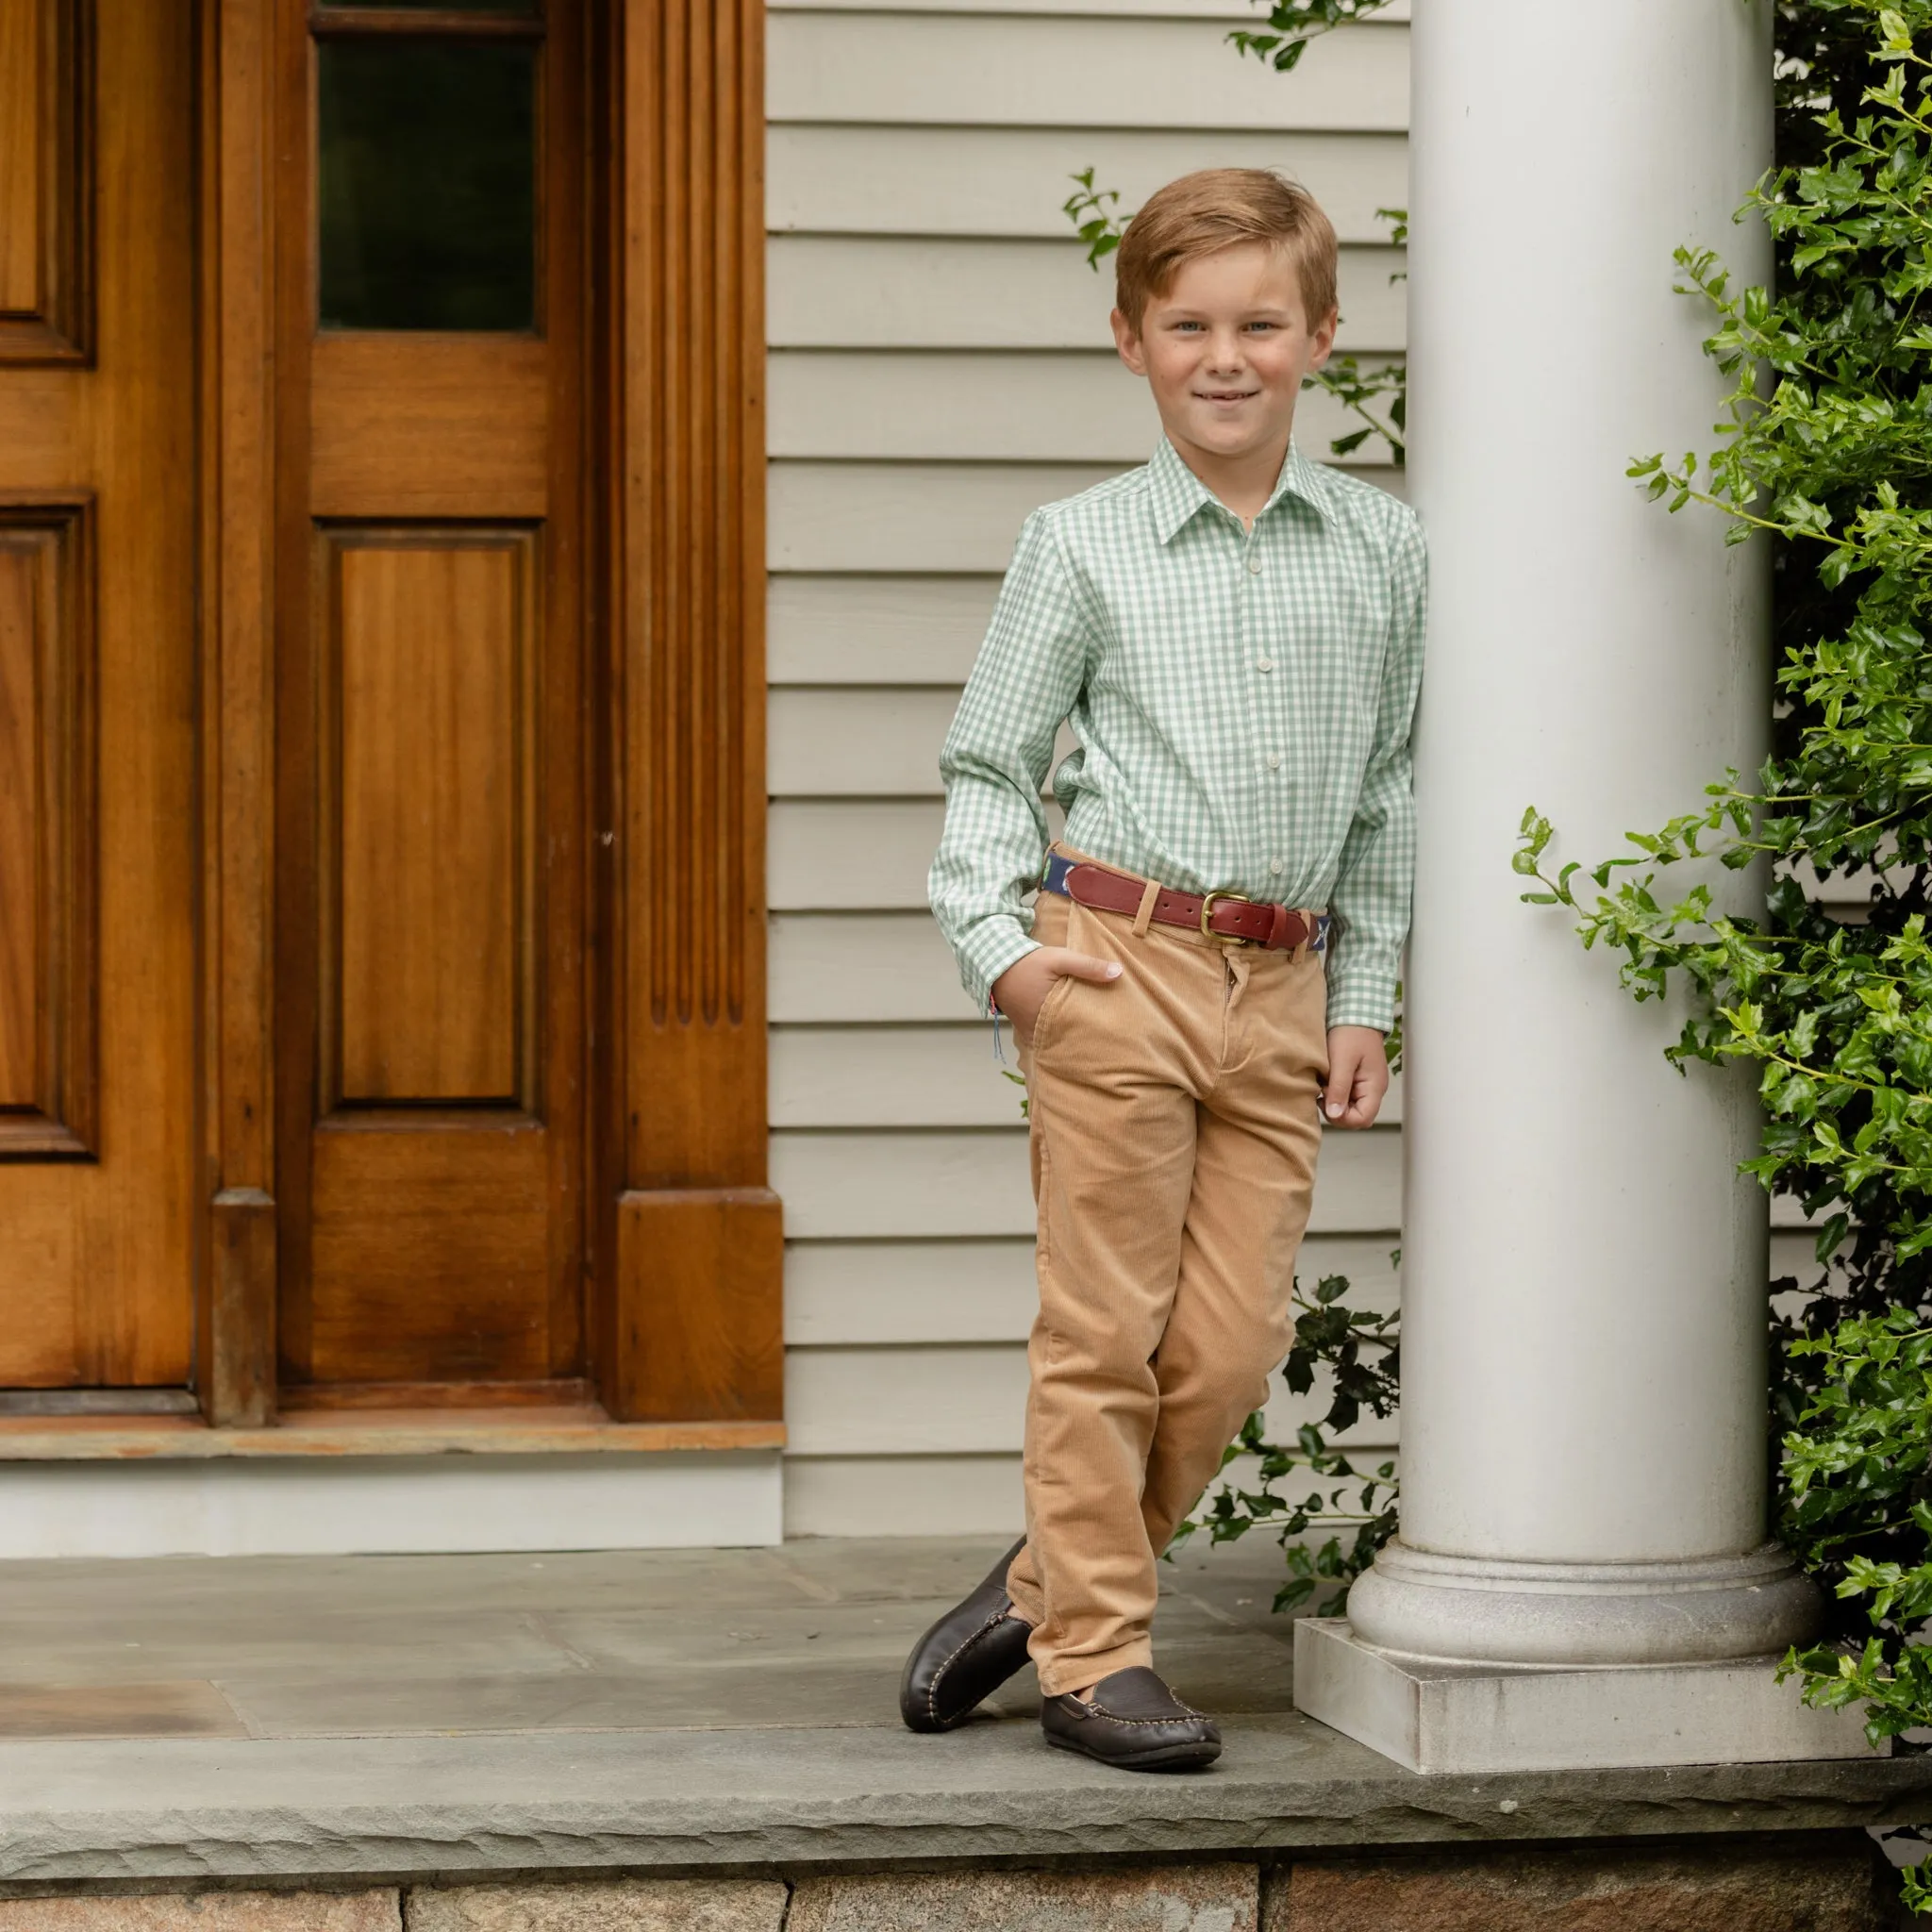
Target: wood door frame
234	1301
686	1244
691	1251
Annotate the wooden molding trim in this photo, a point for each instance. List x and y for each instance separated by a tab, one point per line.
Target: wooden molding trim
690	608
691	1315
334	1438
698	1321
236	1370
235	1348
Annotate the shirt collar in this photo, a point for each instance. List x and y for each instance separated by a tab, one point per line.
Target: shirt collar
1178	492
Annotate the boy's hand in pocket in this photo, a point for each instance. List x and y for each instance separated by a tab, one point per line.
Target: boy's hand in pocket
1021	990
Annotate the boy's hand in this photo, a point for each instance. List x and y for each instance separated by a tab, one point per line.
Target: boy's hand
1022	989
1358	1076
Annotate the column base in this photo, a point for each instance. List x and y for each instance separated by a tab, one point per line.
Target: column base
1433	1716
1467	1609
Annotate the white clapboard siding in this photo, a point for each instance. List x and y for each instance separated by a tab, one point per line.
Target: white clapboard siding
889	1076
914	1495
941	366
858	855
947	517
859	1075
1012	181
1793	1253
964	1399
862	966
887	1185
1062	406
845	743
899	292
1370	1440
861	857
863	1294
1012	70
867	744
866	1295
876	630
1216	10
897	1183
903	1495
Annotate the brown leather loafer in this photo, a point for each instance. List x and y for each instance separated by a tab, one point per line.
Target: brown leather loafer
966	1656
1133	1722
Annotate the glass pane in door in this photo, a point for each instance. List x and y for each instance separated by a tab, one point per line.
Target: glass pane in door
428	183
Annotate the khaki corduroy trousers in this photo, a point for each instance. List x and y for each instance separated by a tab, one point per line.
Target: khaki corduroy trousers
1173	1133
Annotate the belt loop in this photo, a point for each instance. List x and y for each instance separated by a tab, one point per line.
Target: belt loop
1150	892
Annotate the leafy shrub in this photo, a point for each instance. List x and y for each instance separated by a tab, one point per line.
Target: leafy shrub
1359	1351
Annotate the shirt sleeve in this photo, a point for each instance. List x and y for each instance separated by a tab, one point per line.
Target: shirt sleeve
1376	880
1025	681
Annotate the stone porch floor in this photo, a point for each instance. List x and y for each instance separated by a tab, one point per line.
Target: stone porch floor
683	1712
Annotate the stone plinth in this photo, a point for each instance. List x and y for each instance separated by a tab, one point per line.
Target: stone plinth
1480	1718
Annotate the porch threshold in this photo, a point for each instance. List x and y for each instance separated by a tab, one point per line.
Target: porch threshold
283	1720
563	1430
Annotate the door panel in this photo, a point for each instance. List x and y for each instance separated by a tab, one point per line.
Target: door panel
429	660
396	431
431	764
431	1256
44	183
97	693
47	835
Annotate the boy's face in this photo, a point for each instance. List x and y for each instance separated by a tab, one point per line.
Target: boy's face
1225	349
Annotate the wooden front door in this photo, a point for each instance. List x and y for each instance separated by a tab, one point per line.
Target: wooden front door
97	695
381	922
433	741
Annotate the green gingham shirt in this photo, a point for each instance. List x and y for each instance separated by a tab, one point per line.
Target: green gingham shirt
1240	702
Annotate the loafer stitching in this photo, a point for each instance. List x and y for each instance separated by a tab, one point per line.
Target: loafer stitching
1183	1716
932	1695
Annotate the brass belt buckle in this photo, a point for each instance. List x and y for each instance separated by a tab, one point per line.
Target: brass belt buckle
1231	938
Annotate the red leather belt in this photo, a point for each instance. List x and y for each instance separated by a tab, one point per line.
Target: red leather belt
1215	915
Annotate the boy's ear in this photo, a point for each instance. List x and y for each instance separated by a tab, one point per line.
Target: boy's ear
1127	342
1325	339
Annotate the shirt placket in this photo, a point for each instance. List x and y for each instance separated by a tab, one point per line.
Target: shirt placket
1263	678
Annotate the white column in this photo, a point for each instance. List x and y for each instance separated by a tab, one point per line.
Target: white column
1583	1426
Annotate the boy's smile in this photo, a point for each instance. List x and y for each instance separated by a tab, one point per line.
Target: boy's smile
1225	349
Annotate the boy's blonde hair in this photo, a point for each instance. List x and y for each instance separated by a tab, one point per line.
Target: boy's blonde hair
1224	208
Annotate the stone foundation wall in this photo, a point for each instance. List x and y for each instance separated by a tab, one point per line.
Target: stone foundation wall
1823	1883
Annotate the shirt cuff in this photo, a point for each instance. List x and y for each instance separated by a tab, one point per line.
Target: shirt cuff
988	952
1362	999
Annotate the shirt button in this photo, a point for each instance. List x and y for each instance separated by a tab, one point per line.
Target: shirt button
1274	867
1253	566
1264	663
1274	761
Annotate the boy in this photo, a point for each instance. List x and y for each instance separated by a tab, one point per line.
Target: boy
1234	634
